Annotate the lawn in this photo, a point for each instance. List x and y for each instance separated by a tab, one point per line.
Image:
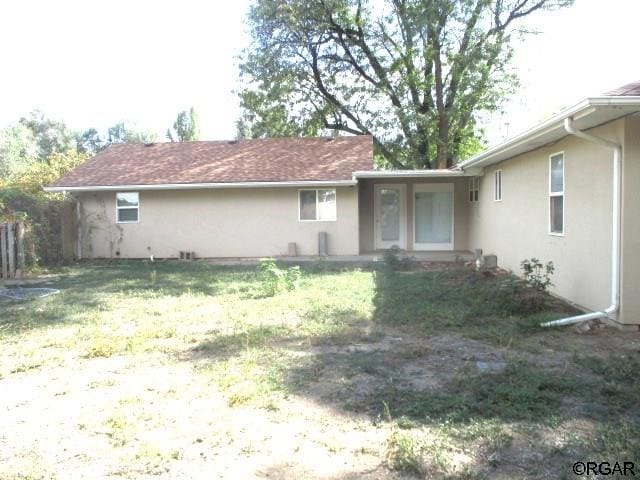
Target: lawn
192	370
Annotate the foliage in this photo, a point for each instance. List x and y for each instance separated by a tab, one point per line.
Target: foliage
42	215
186	128
123	132
18	150
266	115
414	74
536	274
276	279
39	174
404	453
51	136
89	141
22	197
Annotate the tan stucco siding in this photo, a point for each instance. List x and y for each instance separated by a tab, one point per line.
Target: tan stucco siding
518	227
461	208
215	223
630	292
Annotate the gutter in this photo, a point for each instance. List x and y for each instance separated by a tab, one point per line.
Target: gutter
408	173
192	186
612	310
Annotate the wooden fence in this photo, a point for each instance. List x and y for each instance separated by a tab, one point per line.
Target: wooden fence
12	255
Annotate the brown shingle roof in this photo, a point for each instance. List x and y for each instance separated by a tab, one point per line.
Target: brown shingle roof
259	160
629	90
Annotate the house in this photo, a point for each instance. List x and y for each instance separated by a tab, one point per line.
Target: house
563	191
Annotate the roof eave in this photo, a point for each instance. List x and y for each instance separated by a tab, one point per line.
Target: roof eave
578	111
407	173
194	186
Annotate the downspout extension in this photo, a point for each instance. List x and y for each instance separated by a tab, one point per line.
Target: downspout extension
612	310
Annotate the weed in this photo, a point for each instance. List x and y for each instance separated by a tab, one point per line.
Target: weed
276	279
403	453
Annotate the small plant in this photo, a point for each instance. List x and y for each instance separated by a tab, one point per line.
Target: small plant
403	452
276	279
536	274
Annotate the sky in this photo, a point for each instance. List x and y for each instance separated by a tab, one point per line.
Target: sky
93	63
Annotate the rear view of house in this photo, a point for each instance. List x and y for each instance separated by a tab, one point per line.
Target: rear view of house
247	198
564	191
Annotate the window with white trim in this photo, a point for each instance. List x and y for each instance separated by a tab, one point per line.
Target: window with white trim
317	205
556	194
474	189
497	185
127	207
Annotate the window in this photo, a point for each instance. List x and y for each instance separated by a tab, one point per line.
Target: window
497	186
556	194
127	206
474	189
317	205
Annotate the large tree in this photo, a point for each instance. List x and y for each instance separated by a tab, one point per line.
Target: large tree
415	74
51	136
18	150
185	128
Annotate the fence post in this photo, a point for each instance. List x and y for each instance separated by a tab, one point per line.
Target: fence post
20	237
3	250
11	250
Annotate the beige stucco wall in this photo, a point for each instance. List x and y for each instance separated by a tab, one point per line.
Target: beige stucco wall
630	294
215	223
518	227
460	204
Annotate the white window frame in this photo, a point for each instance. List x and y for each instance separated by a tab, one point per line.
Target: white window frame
127	208
335	216
497	189
557	194
474	189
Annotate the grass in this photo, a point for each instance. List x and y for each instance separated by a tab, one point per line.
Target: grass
208	359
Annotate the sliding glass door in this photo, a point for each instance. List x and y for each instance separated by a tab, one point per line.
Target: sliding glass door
433	216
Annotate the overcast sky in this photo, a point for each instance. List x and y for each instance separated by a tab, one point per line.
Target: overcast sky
93	63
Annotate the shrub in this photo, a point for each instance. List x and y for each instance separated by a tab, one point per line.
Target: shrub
42	215
276	279
536	274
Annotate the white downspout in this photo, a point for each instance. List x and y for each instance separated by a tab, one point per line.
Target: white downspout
611	311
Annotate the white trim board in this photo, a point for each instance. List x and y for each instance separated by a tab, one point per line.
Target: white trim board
191	186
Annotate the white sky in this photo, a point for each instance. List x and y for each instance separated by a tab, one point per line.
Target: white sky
92	63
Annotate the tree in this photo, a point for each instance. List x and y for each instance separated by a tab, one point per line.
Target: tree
89	141
122	132
18	150
39	174
185	128
51	136
415	74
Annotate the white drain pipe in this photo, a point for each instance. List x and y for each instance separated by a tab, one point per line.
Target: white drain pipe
611	311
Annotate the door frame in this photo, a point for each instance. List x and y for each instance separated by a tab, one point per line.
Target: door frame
434	187
377	241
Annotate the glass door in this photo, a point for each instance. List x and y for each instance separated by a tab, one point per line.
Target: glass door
433	216
390	216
